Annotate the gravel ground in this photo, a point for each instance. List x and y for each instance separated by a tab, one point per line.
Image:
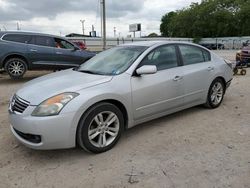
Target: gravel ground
193	148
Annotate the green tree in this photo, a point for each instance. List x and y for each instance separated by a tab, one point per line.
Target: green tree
166	20
210	18
153	35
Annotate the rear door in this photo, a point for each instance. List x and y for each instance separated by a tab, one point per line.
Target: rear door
198	72
41	52
157	93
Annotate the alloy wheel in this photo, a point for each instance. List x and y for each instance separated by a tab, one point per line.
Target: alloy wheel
217	93
103	129
16	68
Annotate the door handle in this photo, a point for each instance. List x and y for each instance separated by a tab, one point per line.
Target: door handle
210	68
33	50
59	53
177	78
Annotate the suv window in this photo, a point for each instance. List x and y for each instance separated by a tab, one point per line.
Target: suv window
192	55
43	41
163	57
17	38
60	43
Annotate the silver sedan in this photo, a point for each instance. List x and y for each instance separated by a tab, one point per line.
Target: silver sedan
92	105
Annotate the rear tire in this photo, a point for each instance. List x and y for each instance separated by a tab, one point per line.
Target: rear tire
215	94
15	67
100	128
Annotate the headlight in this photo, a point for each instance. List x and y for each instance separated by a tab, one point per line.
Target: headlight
53	105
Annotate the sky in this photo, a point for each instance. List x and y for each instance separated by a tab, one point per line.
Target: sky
61	17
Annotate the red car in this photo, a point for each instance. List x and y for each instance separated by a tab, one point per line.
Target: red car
243	55
80	44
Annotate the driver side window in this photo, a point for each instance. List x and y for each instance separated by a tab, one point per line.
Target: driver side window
59	43
163	57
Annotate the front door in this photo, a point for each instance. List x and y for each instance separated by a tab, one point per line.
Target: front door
67	55
156	93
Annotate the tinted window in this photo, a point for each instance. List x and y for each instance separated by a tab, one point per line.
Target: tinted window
60	43
163	58
193	55
44	41
17	38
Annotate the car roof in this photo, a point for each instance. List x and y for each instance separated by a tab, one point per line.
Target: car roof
153	43
160	42
27	32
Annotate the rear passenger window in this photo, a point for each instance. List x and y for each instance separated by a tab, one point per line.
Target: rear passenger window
206	55
163	57
192	55
44	41
17	38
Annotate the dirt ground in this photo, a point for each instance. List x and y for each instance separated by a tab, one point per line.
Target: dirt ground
193	148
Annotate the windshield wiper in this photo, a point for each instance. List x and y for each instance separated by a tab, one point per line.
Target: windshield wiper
90	72
87	71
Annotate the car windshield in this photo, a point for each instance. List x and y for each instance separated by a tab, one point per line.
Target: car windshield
113	61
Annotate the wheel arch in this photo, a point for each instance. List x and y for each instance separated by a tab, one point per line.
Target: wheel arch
15	56
115	102
223	80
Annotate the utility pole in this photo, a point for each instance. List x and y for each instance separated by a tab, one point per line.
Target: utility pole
18	26
114	31
82	21
103	23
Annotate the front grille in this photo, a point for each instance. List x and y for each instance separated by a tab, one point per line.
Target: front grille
18	104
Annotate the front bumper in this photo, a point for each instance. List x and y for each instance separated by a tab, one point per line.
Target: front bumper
55	132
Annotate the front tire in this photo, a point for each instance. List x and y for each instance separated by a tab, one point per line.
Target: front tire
215	94
100	128
15	67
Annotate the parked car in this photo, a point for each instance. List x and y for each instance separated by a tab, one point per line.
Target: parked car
22	51
80	44
243	55
213	46
90	106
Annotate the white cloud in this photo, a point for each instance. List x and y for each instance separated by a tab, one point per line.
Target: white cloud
65	16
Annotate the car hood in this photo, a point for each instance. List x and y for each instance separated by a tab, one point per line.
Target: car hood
40	89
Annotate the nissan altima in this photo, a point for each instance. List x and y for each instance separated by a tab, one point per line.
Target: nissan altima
92	105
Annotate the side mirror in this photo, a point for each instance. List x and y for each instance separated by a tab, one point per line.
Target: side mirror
146	69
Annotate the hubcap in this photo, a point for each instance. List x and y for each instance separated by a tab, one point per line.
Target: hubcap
217	93
103	129
16	68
